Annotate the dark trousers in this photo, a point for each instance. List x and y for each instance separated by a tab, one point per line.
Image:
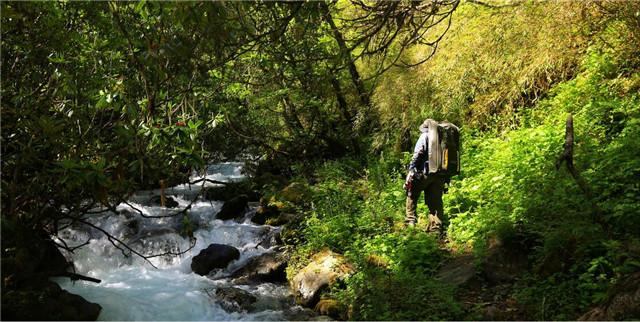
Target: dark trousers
433	187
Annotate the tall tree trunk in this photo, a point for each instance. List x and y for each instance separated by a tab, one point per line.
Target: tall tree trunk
344	110
345	54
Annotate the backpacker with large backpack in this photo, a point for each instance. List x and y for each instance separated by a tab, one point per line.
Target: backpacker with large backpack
444	148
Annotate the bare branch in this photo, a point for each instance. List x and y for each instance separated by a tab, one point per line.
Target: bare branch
492	6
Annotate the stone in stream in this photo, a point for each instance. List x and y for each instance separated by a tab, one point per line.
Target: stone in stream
233	208
214	256
324	270
234	299
231	189
268	267
169	201
298	313
264	213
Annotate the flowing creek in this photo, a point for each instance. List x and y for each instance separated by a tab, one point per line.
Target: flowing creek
131	289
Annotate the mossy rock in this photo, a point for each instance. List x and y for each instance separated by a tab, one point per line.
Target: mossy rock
331	308
325	269
265	213
282	219
296	193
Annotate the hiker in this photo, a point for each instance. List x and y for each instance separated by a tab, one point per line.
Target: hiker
443	139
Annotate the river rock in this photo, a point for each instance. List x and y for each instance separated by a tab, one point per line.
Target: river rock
222	193
233	208
298	313
234	299
169	201
623	303
38	256
230	190
323	271
331	308
264	213
268	267
45	303
214	256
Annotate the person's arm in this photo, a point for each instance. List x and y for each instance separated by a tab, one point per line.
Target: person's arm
419	153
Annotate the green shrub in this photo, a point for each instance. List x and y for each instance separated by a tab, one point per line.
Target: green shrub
376	295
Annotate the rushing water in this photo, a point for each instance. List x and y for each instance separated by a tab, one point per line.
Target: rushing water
131	289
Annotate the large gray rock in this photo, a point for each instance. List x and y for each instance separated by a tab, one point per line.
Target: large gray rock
268	267
233	208
323	271
212	257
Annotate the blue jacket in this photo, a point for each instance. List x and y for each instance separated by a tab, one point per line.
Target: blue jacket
420	160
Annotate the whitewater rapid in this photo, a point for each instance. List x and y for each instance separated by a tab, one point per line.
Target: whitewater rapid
132	289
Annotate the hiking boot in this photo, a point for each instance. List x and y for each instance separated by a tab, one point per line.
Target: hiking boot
435	225
409	223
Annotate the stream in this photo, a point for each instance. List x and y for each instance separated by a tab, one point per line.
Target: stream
131	289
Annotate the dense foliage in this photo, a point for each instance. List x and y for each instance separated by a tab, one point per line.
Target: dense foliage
102	99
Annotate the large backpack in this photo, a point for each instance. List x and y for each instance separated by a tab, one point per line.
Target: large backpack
444	149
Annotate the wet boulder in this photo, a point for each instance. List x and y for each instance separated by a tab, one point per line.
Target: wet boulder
298	313
325	269
47	302
212	257
221	193
169	202
268	267
233	208
233	299
270	239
